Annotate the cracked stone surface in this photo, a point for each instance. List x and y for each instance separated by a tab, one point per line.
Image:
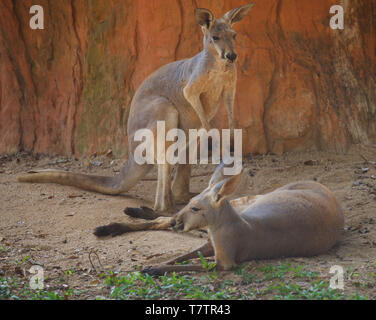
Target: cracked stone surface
301	85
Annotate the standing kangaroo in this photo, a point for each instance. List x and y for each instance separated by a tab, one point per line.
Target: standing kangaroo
185	94
299	219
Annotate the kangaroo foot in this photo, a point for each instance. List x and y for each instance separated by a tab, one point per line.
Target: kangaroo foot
142	213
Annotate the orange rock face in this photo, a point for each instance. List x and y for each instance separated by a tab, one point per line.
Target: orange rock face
301	85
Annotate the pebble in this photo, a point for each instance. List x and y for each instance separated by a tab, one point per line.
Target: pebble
62	160
96	163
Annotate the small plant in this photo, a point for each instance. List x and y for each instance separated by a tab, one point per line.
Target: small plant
246	278
205	264
68	272
25	259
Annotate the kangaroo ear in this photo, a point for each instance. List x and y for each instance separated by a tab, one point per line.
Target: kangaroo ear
217	175
238	14
225	188
204	17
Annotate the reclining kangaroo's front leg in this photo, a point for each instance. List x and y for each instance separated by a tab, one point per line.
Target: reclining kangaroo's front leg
206	250
161	270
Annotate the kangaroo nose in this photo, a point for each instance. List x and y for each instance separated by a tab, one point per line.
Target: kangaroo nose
173	223
231	56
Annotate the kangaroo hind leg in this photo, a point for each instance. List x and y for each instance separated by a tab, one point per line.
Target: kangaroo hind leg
180	185
164	199
164	118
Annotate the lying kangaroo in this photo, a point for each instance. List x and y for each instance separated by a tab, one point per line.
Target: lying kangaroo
185	94
299	219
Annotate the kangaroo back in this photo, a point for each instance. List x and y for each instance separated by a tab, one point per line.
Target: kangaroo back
300	219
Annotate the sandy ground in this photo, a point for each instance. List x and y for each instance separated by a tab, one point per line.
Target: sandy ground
53	225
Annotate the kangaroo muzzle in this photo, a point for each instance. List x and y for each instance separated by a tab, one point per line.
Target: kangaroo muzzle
177	224
231	56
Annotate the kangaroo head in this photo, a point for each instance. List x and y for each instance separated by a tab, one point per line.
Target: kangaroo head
203	210
219	37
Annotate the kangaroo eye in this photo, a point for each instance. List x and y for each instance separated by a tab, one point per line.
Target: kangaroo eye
215	38
194	209
235	36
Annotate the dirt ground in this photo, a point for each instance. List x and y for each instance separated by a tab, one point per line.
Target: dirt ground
52	225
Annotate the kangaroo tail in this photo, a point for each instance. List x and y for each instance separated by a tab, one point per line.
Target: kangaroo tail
112	230
130	175
105	185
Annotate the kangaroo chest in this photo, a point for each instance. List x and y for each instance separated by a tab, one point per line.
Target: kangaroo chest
215	83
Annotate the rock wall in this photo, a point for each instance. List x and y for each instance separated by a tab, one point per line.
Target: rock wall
67	89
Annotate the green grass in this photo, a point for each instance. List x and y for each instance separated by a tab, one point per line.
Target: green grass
283	281
318	290
280	281
282	269
12	288
295	282
6	285
142	286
